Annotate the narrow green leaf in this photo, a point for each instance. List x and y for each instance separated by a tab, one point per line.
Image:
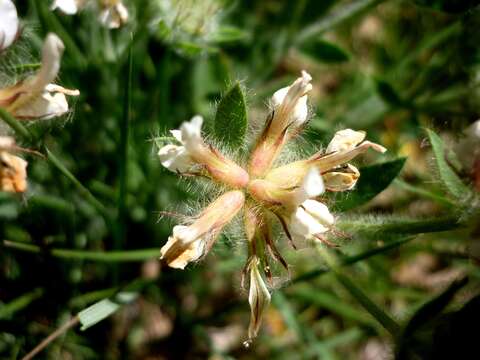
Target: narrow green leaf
378	227
373	180
231	118
98	256
227	34
18	127
388	93
332	303
104	308
8	310
433	307
329	21
324	51
449	178
123	153
349	260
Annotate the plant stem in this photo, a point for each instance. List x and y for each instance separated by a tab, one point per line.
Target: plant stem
62	329
15	125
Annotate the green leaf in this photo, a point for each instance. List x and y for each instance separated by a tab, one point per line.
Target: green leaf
231	118
449	178
418	331
104	308
389	94
450	6
373	180
10	309
326	52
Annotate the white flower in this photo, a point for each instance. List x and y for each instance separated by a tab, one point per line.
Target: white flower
189	247
114	14
311	187
309	219
291	101
13	169
178	158
37	97
258	298
68	7
8	23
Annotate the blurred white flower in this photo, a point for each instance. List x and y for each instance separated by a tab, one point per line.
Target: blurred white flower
113	14
37	97
9	23
68	7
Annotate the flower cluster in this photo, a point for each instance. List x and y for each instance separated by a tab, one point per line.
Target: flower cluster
262	191
35	97
112	13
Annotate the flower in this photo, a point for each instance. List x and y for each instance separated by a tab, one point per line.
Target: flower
13	169
113	14
289	193
289	111
258	297
36	97
193	152
189	243
9	24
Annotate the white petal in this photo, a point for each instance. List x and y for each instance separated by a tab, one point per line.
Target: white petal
43	106
294	99
177	134
304	225
51	56
6	142
68	7
192	252
8	23
319	211
313	183
341	179
175	158
192	132
345	140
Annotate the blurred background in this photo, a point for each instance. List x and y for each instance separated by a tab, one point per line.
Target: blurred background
389	67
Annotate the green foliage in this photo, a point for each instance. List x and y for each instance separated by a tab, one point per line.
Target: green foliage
99	205
231	118
326	52
447	175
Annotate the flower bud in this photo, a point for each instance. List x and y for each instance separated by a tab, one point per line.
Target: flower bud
258	298
194	151
189	243
36	97
8	24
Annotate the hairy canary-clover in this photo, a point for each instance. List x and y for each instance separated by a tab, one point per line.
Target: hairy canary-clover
262	191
